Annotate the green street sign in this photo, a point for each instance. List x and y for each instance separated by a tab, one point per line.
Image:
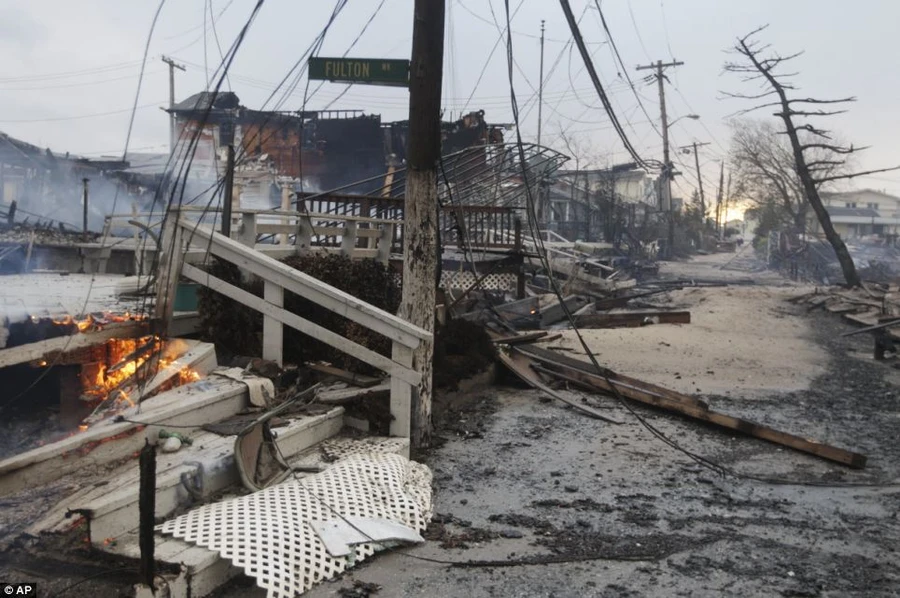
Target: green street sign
368	71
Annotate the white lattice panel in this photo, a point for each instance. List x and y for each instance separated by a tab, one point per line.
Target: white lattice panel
268	534
336	448
463	280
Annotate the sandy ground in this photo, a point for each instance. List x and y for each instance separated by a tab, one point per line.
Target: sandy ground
741	340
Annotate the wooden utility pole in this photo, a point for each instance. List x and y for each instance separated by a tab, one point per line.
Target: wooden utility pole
172	66
659	67
541	87
726	200
695	145
719	197
84	203
227	201
417	304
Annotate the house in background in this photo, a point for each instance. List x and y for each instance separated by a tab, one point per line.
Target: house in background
863	213
595	204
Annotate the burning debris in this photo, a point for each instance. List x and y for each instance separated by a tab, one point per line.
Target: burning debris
35	328
67	392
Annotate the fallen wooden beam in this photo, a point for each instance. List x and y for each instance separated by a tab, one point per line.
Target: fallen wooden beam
525	337
613	302
633	319
345	376
873	328
348	395
520	366
625	385
601	382
43	349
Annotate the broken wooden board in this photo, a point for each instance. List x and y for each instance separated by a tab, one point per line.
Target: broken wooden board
521	367
629	387
47	348
601	381
345	376
348	395
633	319
525	337
890	323
557	311
622	301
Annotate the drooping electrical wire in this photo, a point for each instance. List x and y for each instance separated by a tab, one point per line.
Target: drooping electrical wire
579	41
612	42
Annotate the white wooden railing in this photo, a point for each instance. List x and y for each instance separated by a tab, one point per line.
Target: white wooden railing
288	232
182	236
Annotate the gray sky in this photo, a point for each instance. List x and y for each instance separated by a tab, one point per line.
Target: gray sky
70	74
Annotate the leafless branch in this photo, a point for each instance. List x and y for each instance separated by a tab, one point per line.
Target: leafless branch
815	101
812	113
834	148
823	133
824	163
741	96
856	174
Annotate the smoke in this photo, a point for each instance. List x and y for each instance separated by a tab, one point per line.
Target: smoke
58	198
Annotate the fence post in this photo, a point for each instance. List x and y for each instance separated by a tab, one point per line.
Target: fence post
304	234
401	393
170	260
273	330
384	243
520	268
348	238
285	207
248	229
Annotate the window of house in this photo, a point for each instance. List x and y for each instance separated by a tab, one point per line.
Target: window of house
850	204
872	206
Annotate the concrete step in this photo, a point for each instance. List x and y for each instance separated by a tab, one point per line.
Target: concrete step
202	570
192	405
207	466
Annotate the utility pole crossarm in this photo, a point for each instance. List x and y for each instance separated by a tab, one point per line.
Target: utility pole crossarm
659	64
694	145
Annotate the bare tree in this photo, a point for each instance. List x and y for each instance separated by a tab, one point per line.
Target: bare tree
760	63
765	170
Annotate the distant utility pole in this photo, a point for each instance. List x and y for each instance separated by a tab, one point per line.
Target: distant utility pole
172	66
541	87
84	202
686	148
727	198
417	304
719	197
659	67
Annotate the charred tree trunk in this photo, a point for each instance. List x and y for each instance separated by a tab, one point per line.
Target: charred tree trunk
810	185
421	207
812	194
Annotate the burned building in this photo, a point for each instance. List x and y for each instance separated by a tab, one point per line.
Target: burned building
47	186
326	149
